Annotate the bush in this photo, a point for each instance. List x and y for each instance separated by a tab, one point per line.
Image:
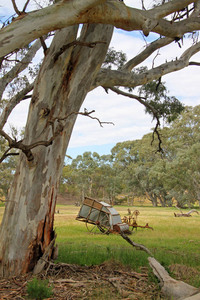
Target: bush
39	289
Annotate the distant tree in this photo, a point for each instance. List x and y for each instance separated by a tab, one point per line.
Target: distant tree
183	168
7	170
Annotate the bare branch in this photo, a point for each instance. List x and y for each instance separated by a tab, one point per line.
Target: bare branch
143	6
108	78
153	61
25	6
139	99
44	46
193	63
16	8
190	52
146	53
75	43
66	13
85	113
13	102
7	137
6	154
18	68
147	105
168	8
26	149
155	131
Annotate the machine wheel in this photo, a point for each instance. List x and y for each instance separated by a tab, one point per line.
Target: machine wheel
95	228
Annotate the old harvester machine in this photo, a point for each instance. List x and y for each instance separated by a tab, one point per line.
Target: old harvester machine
101	216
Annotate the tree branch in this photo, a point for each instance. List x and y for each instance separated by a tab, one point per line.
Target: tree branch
168	8
16	8
44	46
18	68
26	149
146	53
25	6
108	78
147	105
75	43
66	13
85	113
13	102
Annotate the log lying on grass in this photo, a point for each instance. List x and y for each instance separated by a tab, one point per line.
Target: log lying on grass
188	214
171	288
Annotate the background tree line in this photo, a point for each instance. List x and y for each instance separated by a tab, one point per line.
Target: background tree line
137	169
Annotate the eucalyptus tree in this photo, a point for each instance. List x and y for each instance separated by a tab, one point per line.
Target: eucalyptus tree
90	175
70	69
182	167
141	168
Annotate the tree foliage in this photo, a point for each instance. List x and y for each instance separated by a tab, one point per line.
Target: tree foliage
135	167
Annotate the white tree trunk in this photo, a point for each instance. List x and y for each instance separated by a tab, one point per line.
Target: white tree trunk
61	87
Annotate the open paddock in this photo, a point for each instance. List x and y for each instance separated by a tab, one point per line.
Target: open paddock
174	241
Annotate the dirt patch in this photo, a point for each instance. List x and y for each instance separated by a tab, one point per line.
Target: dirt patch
106	281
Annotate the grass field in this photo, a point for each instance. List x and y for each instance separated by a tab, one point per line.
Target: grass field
174	241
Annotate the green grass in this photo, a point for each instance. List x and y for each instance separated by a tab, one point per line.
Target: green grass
173	241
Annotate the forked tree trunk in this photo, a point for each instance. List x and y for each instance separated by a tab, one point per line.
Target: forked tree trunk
63	82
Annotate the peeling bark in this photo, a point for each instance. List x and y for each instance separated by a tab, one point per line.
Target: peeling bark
61	86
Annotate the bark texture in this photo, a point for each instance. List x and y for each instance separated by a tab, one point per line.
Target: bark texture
67	13
62	84
171	288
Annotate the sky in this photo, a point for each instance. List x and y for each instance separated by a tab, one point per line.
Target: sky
128	116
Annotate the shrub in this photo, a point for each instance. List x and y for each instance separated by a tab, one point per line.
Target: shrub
39	289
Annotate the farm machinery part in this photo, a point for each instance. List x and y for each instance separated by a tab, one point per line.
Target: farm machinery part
131	220
101	216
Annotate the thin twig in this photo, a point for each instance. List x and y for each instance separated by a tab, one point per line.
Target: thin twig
86	114
26	149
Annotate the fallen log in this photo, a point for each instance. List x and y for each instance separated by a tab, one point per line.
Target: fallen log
171	288
188	214
195	297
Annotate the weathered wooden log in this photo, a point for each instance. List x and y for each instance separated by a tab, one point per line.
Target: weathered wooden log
195	297
171	288
188	214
